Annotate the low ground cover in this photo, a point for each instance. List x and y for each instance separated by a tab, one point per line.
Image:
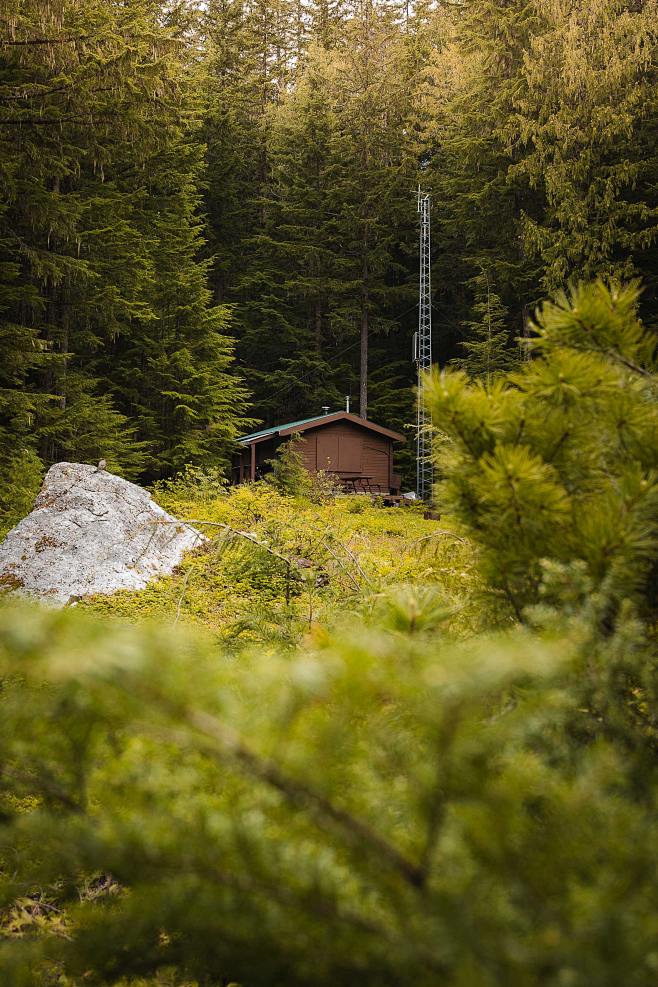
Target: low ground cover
275	566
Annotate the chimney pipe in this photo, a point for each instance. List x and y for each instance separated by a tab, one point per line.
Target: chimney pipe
325	409
347	403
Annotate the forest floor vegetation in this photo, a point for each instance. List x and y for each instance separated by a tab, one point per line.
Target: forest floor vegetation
276	566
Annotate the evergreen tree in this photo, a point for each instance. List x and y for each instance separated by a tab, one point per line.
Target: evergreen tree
288	474
71	292
465	103
536	120
532	121
373	191
173	373
326	20
584	127
320	266
557	464
97	101
487	342
242	82
297	276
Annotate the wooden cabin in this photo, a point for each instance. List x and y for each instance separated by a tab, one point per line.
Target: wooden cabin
356	450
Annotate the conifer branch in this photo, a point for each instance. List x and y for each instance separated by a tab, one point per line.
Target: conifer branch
235	532
340	562
44	41
229	743
46	783
629	364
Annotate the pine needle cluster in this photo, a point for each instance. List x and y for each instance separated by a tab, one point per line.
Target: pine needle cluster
558	462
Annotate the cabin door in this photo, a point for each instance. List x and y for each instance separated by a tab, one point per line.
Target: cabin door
327	456
349	453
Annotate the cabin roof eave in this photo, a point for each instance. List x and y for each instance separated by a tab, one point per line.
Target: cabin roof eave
291	428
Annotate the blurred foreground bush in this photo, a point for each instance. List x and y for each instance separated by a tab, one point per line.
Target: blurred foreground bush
384	807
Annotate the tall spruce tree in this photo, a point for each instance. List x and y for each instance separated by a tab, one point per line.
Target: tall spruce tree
253	50
99	158
171	370
538	125
487	345
298	274
247	65
466	101
585	132
317	267
373	191
65	101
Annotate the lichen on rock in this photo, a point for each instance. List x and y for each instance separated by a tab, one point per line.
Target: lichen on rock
91	532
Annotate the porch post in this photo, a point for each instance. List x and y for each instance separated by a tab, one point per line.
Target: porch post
252	469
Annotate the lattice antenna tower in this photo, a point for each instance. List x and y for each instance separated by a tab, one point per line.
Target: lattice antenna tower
423	353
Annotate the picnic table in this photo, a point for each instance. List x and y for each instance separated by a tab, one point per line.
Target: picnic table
362	481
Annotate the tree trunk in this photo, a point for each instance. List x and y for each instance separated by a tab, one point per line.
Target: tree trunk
363	383
64	345
317	327
365	313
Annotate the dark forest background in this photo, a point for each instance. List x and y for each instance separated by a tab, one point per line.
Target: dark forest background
208	211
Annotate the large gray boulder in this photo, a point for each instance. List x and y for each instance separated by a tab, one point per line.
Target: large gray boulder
91	532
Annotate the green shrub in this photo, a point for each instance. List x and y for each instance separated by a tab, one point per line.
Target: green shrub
20	480
560	460
193	483
385	806
324	485
288	474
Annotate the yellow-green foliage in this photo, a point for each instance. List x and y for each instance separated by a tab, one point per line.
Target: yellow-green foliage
340	555
560	460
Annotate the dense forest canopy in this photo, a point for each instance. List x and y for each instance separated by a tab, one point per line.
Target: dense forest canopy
206	202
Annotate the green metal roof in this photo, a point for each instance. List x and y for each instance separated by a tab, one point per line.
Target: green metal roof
280	428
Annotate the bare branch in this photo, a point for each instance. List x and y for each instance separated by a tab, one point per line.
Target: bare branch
239	534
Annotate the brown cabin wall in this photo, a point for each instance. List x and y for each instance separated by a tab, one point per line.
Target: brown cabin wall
339	447
357	451
377	460
307	447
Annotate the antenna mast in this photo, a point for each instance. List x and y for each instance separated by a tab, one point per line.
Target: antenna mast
423	354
